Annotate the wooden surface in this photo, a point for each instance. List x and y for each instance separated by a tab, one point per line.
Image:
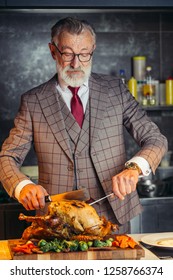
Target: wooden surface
6	255
105	253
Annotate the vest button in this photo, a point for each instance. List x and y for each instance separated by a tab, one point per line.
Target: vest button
78	155
69	168
95	154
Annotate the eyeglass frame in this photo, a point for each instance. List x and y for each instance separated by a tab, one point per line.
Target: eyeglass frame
74	54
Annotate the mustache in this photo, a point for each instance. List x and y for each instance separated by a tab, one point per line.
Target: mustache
70	69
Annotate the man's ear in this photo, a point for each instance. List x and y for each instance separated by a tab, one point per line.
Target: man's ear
94	47
52	50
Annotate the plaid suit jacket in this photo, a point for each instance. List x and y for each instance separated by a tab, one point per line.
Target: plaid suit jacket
40	121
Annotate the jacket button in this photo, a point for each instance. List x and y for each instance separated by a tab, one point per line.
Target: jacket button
79	170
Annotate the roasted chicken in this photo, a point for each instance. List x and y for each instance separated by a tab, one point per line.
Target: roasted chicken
68	219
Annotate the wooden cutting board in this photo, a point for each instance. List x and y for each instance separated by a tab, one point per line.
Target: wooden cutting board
105	253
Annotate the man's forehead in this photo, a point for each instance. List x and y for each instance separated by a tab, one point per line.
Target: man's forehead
67	36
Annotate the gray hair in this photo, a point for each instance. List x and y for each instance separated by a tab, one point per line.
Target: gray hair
73	26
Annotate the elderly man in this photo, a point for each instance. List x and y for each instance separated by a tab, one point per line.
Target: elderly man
76	122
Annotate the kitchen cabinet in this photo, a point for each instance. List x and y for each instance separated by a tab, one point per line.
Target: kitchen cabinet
11	226
156	216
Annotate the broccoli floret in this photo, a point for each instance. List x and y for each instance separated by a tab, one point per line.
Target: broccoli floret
57	245
54	245
72	245
46	247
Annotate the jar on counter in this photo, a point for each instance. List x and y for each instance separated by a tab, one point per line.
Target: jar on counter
139	66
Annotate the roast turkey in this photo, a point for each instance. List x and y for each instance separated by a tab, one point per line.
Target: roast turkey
68	219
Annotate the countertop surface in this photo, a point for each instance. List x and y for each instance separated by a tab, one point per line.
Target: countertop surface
5	252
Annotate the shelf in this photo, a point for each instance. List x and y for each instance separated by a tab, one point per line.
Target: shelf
158	108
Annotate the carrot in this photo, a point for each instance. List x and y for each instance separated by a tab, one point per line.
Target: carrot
115	243
124	241
25	248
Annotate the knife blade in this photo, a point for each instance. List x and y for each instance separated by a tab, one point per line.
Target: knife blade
100	199
80	194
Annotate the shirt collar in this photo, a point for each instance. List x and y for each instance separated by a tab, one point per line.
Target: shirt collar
63	88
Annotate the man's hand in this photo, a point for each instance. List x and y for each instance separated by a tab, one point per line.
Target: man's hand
124	183
33	197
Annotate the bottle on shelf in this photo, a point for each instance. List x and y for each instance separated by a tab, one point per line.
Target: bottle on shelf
123	75
140	90
169	91
132	85
148	92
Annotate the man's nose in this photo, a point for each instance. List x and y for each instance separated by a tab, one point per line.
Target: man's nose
75	63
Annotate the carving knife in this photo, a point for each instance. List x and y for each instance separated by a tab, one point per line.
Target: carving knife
80	194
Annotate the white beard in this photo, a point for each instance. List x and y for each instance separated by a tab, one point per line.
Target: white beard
73	81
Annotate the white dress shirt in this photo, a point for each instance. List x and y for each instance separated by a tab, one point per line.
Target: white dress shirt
83	93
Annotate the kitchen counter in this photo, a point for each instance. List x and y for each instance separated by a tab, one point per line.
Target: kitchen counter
5	253
148	254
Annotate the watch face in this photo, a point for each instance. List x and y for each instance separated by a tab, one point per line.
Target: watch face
133	166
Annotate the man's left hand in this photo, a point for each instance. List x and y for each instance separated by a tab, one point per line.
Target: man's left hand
124	183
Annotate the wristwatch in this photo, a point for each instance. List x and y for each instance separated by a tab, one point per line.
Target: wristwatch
133	166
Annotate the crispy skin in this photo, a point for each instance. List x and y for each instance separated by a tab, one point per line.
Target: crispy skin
68	219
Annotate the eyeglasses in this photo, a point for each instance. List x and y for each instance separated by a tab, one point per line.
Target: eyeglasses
68	57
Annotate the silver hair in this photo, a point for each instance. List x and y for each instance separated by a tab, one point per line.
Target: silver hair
73	26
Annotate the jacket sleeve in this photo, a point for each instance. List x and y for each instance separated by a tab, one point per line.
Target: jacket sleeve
153	144
15	149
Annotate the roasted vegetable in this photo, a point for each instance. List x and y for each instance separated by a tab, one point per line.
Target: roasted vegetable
124	241
25	248
46	247
90	243
83	246
57	245
108	243
54	245
42	242
102	243
72	245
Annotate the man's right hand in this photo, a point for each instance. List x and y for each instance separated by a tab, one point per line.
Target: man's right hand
33	197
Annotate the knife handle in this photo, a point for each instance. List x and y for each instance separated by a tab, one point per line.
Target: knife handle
47	198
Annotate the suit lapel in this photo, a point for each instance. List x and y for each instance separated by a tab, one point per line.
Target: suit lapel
98	101
51	109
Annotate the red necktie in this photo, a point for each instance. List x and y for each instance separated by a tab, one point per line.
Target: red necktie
76	106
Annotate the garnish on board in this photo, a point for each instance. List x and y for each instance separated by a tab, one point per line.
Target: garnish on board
27	248
58	245
124	241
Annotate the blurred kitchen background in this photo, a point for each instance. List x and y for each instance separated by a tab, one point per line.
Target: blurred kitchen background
122	33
